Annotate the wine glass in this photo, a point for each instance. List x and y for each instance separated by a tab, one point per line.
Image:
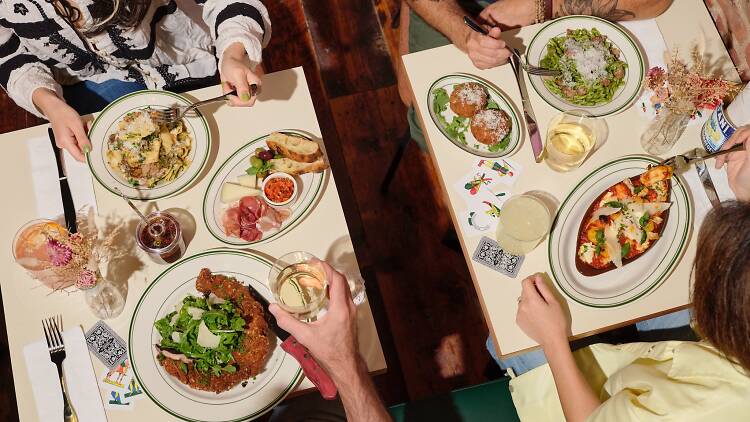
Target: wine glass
571	137
298	283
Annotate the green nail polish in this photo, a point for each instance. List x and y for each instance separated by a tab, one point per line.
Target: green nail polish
245	96
86	149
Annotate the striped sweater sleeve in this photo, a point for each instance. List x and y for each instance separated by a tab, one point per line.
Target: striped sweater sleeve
21	73
243	21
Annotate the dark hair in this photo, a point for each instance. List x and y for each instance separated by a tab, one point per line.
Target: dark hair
721	292
106	13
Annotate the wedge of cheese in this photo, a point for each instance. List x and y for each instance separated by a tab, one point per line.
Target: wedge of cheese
231	192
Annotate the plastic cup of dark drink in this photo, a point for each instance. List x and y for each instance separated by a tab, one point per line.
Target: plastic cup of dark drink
160	236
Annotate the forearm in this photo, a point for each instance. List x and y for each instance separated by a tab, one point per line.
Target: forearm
446	16
614	10
46	100
358	394
577	398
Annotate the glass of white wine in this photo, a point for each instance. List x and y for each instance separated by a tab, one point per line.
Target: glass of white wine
523	223
570	139
298	283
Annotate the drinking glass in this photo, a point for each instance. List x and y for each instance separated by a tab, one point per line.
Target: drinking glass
523	223
30	252
298	284
571	137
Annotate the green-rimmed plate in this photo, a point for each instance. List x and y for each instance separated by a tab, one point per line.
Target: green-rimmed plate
469	143
106	123
309	186
636	279
630	54
258	396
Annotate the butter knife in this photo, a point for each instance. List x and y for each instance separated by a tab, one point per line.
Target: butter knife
67	198
708	184
528	113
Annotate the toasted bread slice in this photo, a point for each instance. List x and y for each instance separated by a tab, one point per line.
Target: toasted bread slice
295	147
289	166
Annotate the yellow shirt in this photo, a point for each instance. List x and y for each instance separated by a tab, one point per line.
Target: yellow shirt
664	381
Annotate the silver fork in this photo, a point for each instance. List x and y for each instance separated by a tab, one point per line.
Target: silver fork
530	69
681	162
177	112
56	347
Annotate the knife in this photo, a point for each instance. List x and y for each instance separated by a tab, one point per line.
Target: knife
289	344
528	113
67	198
708	184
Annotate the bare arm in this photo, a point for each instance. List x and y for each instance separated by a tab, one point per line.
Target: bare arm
358	394
514	13
446	16
614	10
541	317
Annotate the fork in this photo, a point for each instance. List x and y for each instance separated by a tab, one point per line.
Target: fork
681	162
530	69
56	347
177	112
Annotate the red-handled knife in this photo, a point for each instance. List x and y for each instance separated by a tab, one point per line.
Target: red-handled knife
289	344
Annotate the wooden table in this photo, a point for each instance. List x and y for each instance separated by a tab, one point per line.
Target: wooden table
498	293
284	104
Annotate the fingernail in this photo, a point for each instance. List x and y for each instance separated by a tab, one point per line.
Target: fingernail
86	148
245	96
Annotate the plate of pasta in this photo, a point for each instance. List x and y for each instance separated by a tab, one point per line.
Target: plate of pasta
134	153
601	66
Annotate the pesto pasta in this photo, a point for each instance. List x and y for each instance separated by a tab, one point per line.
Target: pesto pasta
590	66
148	154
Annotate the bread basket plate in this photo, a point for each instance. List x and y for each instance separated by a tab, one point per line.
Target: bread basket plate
309	190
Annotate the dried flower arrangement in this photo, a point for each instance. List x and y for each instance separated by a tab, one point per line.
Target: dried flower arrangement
74	258
686	89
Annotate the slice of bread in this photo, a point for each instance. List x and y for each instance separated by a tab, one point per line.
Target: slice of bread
295	147
295	168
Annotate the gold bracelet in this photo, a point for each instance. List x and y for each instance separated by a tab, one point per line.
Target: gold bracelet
539	11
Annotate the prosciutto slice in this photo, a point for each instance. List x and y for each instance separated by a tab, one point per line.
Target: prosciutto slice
251	217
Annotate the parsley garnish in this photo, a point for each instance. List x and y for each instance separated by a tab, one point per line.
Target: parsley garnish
625	250
614	204
643	221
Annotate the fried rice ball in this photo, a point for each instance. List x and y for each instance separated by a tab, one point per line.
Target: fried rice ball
468	98
490	126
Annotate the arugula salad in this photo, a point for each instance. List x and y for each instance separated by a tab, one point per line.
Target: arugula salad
590	66
458	127
205	330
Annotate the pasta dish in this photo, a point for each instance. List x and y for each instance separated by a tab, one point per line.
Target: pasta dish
146	153
590	66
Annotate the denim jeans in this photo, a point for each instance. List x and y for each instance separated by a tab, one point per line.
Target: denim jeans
89	97
530	360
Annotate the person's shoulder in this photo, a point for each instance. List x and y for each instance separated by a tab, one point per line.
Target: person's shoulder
701	359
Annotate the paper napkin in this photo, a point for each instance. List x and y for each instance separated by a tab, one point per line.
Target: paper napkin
46	183
83	391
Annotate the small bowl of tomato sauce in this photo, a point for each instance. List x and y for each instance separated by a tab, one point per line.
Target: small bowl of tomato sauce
279	189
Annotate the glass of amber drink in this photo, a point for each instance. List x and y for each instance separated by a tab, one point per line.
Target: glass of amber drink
298	283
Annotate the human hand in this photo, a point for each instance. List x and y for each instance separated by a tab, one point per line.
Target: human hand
332	339
67	125
487	51
510	13
539	314
738	163
236	74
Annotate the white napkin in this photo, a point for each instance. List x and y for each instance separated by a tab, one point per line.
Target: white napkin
46	184
700	198
83	391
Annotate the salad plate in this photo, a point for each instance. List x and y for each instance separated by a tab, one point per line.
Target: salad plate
460	130
165	295
133	154
602	66
637	279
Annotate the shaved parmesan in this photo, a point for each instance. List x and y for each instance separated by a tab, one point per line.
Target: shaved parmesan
176	336
215	300
604	211
206	338
174	319
196	313
613	245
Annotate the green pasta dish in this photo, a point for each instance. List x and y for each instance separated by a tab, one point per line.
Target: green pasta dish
147	153
590	66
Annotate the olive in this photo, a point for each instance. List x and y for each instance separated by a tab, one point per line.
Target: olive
255	161
265	155
259	150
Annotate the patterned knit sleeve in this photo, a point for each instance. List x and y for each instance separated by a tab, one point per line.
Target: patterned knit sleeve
243	21
21	73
